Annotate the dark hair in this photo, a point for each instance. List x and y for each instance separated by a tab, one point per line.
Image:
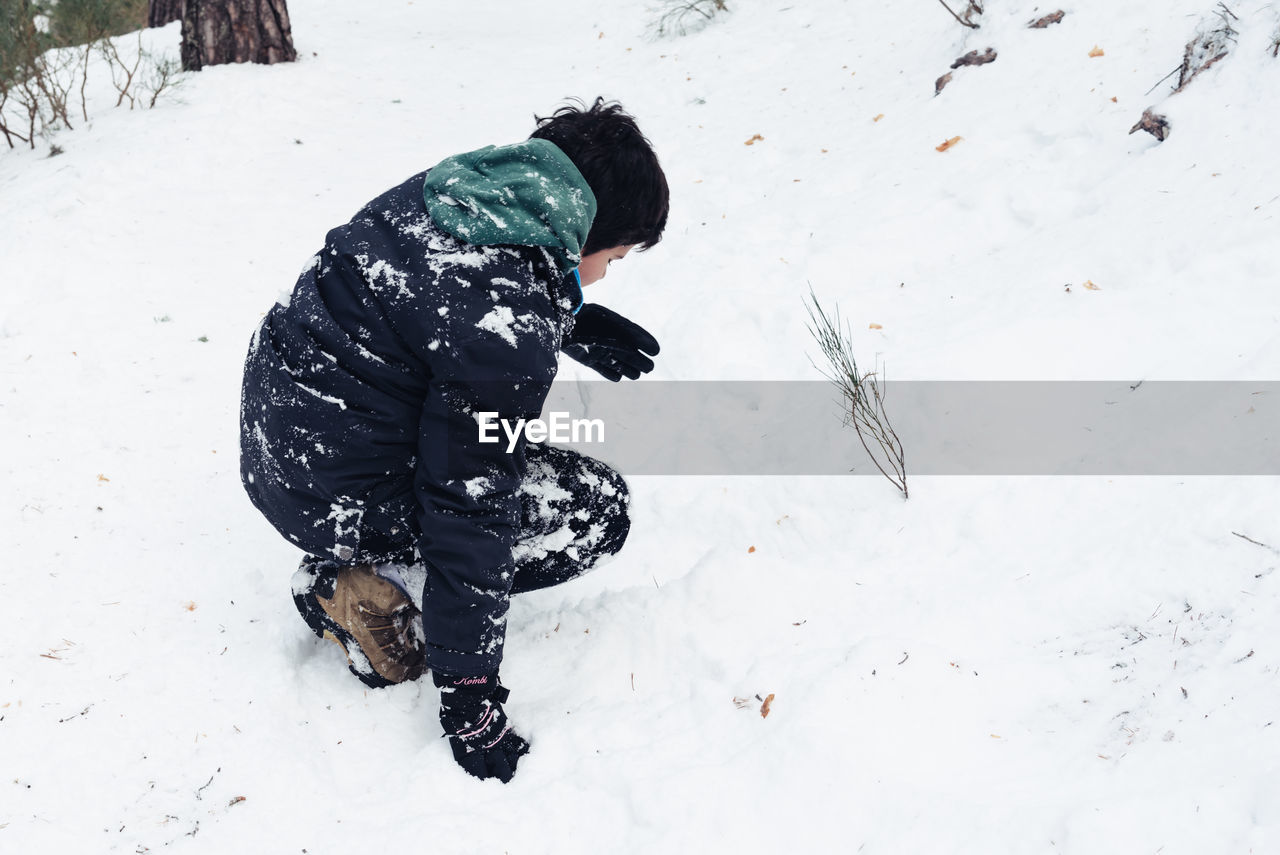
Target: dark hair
620	167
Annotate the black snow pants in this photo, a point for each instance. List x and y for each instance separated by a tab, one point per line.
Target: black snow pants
573	512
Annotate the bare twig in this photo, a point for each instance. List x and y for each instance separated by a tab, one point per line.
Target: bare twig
54	76
973	7
675	17
862	392
1208	47
84	711
200	791
162	74
30	100
9	133
1185	78
122	73
84	80
1163	79
1255	542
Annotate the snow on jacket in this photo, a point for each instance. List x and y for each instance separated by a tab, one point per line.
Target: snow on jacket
361	392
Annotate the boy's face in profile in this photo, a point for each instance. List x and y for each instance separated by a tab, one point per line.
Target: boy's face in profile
595	265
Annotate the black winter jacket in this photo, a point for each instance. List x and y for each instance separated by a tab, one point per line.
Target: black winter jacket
359	403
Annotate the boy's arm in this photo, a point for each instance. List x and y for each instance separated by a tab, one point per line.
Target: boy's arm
469	507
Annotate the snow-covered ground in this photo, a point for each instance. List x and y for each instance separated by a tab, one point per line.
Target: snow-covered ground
997	665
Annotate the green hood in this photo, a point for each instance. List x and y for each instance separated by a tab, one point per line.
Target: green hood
527	194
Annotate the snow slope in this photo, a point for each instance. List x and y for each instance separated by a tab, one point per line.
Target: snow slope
1038	664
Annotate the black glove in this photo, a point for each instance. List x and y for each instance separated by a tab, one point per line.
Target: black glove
608	343
481	736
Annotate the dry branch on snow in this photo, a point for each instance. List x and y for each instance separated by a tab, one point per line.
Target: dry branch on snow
973	10
863	394
1208	47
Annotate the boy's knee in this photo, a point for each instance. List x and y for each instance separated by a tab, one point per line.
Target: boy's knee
616	529
611	501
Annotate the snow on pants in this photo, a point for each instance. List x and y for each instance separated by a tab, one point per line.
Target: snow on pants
573	512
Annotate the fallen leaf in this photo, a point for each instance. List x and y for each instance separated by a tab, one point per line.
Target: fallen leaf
949	143
750	549
1097	51
1054	18
754	139
1152	123
975	58
878	118
874	327
1088	283
103	478
237	800
1113	100
190	606
764	708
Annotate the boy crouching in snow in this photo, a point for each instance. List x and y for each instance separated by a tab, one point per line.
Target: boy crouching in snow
446	297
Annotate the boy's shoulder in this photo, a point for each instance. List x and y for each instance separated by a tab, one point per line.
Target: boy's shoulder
450	291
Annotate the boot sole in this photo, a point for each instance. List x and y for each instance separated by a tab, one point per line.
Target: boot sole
334	605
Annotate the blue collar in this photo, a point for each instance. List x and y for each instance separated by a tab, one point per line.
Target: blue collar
577	282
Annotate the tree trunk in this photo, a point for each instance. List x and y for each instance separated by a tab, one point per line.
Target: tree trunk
161	12
218	31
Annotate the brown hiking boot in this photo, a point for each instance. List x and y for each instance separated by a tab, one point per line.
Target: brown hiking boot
374	622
